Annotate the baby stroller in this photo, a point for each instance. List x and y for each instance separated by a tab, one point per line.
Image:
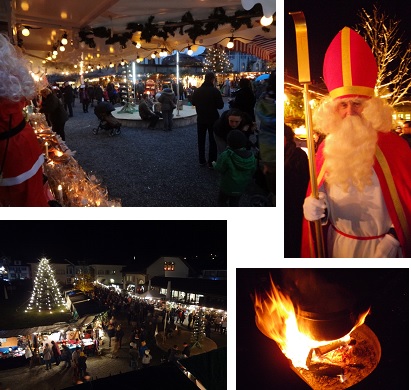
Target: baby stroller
107	121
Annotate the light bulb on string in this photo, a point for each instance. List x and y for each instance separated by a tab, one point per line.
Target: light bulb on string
64	40
25	32
266	21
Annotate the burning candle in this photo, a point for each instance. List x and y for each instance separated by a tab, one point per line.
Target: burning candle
47	149
60	193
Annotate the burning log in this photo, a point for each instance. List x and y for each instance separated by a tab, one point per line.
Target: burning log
324	369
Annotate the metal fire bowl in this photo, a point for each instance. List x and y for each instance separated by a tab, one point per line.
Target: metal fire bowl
327	326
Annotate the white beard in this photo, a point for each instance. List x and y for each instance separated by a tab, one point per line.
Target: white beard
349	152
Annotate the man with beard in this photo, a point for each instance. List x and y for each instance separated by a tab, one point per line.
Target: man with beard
364	185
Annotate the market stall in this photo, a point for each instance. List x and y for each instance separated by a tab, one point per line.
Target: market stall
68	183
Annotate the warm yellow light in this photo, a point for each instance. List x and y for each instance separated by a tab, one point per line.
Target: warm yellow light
266	21
64	41
62	48
63	14
230	43
24	6
25	32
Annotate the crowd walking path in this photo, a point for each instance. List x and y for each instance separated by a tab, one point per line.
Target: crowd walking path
144	167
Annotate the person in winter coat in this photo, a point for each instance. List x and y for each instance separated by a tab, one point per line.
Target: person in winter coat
168	102
53	108
56	352
47	356
207	100
68	98
21	158
230	120
146	112
146	359
244	98
84	99
237	166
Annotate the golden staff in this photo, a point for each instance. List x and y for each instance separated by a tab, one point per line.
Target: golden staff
304	78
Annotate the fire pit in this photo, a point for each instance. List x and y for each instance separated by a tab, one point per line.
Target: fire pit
346	365
340	352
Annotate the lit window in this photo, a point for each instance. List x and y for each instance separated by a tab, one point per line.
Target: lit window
168	266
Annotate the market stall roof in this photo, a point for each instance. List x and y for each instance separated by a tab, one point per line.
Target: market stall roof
111	26
83	321
152	294
36	329
89	307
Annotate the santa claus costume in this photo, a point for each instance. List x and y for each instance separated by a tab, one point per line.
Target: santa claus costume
369	218
21	159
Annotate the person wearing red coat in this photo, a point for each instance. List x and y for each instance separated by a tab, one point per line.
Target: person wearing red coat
21	158
362	168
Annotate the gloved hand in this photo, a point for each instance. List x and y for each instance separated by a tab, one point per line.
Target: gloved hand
315	209
388	247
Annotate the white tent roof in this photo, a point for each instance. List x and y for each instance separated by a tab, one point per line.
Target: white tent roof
48	20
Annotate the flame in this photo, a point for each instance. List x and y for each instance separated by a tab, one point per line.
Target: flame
276	318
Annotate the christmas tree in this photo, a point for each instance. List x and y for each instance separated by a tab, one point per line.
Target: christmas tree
46	294
198	329
217	61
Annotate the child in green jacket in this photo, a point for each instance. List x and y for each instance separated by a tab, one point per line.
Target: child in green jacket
237	166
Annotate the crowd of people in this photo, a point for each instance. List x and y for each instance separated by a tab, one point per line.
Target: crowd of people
238	162
129	324
230	150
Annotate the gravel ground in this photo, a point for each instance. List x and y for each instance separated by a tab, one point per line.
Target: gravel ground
143	167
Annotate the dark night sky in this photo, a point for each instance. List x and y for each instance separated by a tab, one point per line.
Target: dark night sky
325	19
109	240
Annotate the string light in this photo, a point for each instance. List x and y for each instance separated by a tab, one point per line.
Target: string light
230	43
46	294
64	40
266	21
25	32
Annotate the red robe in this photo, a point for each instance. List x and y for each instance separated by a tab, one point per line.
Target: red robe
22	182
391	165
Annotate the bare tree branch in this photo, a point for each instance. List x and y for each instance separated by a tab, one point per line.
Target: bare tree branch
383	35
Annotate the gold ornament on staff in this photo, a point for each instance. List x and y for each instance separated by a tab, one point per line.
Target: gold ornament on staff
305	79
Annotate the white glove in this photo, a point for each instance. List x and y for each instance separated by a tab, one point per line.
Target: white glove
314	209
388	247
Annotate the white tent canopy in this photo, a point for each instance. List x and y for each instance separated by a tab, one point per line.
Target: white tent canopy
47	21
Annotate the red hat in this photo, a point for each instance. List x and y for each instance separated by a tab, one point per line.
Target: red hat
349	68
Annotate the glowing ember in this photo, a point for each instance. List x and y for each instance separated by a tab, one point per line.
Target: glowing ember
277	319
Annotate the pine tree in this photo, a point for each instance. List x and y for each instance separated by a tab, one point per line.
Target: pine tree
46	294
217	61
198	329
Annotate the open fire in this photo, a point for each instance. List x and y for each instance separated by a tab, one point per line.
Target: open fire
323	363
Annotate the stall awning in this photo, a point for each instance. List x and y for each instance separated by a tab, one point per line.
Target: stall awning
83	321
37	329
259	46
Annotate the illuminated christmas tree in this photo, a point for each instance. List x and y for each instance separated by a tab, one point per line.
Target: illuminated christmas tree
217	61
198	329
46	295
